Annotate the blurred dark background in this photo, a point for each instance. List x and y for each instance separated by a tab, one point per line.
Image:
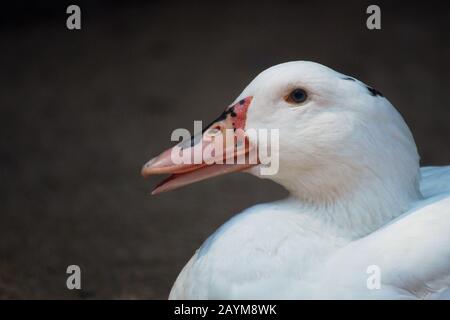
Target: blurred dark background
81	111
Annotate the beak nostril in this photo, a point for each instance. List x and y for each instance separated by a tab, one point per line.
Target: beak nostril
214	131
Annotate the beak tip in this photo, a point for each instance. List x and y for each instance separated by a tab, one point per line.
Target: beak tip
156	191
144	172
147	169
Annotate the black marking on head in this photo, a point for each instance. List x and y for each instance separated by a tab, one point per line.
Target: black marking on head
374	92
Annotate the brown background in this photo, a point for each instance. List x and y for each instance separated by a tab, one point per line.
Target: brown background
81	111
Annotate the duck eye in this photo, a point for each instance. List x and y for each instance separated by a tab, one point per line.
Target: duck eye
297	96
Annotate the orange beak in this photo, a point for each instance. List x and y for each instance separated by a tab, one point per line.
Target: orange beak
222	147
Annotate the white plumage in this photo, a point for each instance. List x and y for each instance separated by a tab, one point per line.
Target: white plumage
275	251
358	199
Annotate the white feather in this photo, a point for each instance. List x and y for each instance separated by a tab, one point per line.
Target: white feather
358	199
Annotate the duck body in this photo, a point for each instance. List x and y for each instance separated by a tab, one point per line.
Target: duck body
279	250
259	253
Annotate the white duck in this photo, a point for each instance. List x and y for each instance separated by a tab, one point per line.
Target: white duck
358	199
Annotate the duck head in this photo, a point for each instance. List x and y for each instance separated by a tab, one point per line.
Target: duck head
334	135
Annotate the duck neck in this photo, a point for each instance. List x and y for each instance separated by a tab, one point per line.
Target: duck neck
355	202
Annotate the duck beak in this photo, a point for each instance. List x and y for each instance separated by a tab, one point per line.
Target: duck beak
222	147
